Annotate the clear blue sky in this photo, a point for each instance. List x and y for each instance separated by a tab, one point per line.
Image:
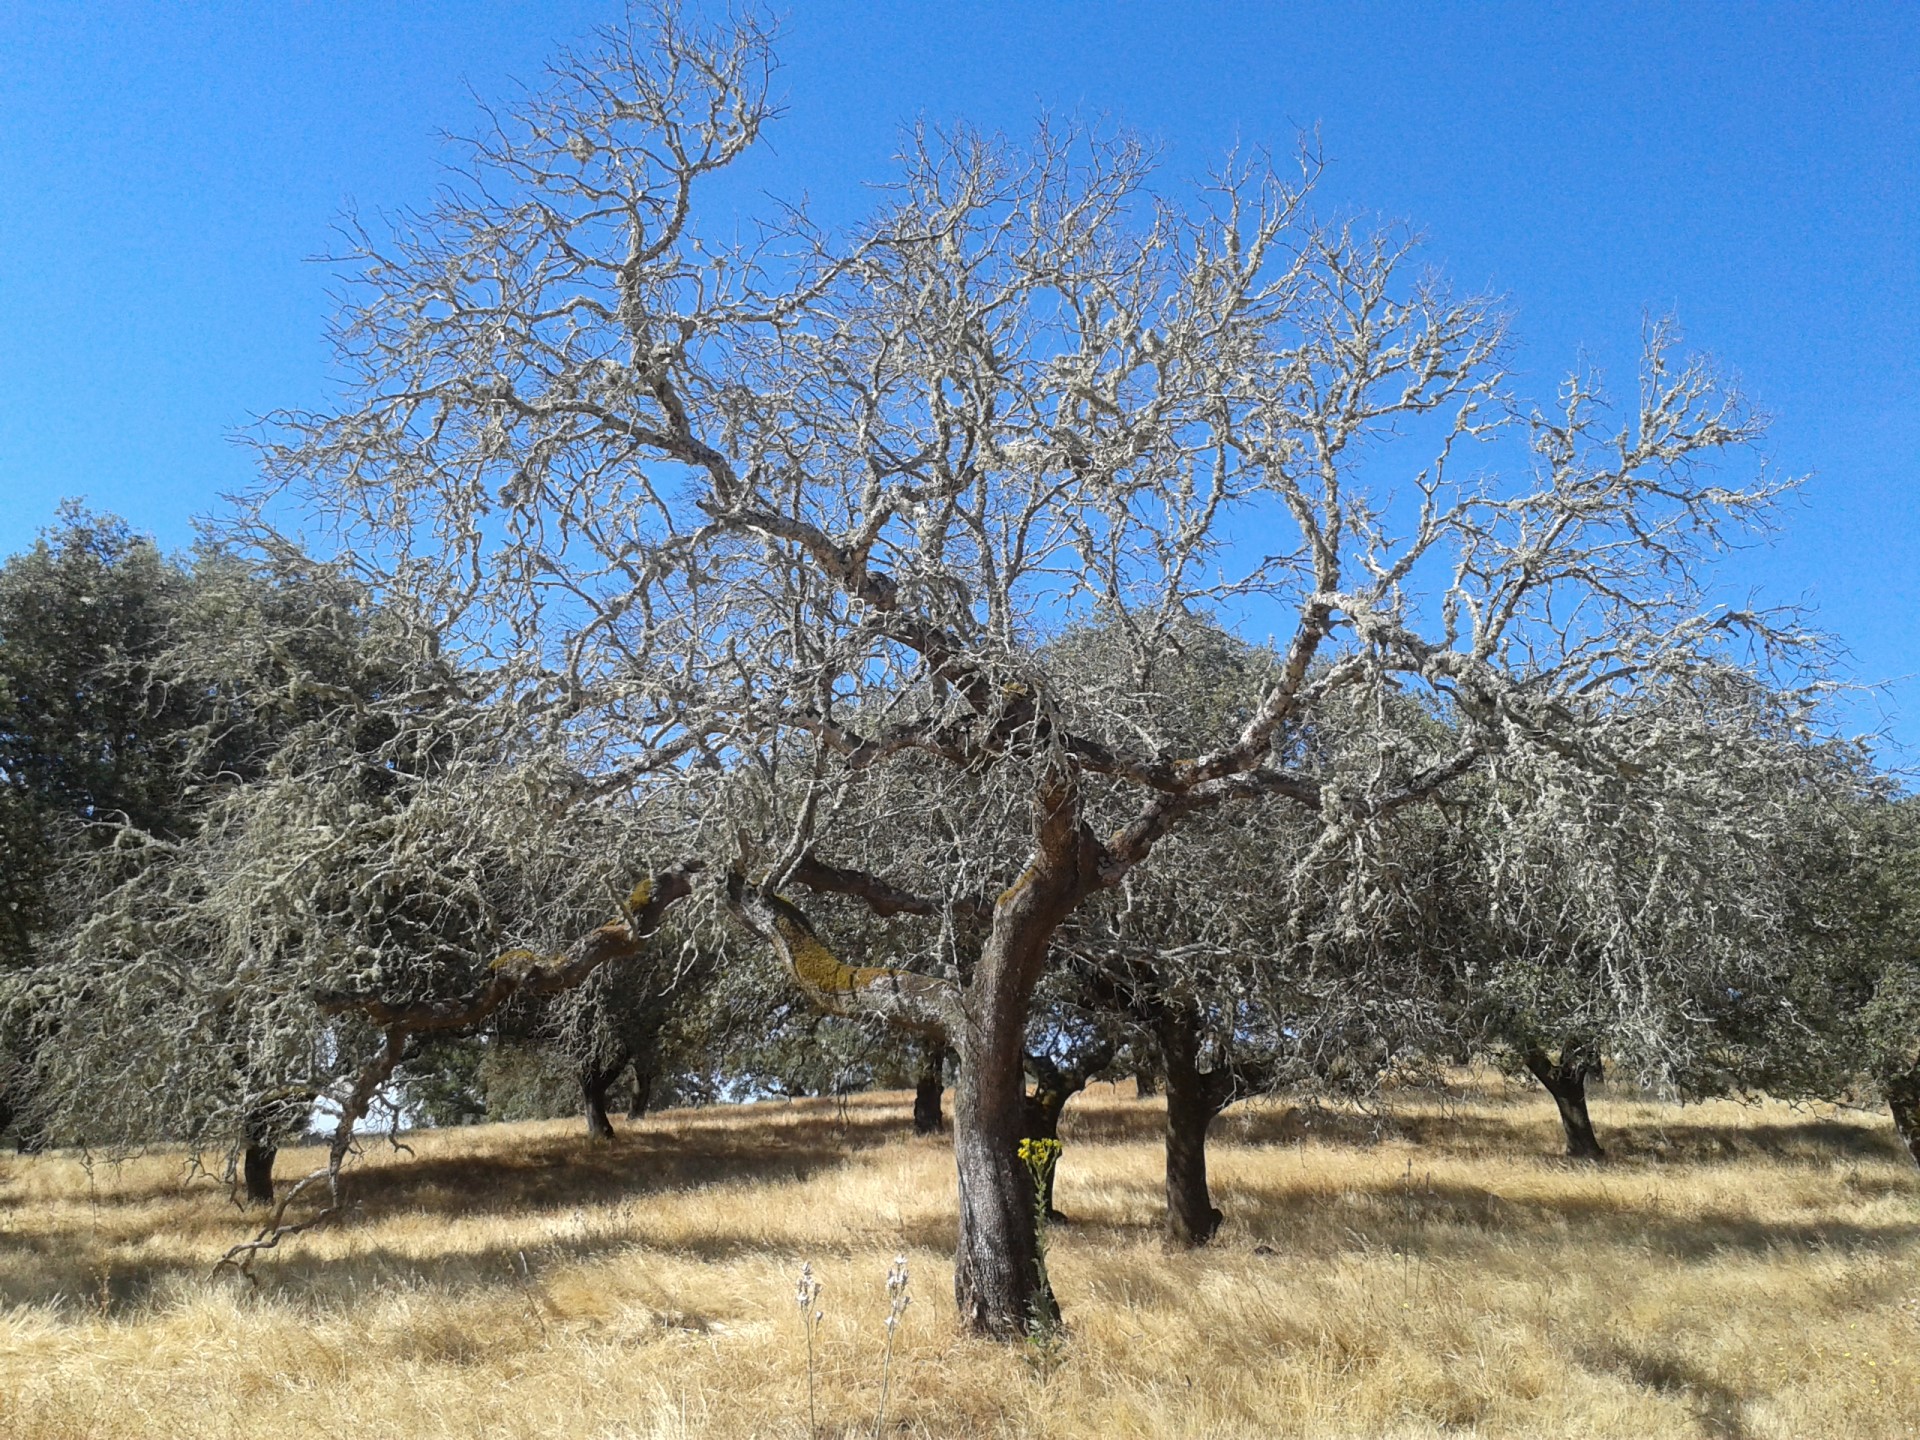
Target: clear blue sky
1754	169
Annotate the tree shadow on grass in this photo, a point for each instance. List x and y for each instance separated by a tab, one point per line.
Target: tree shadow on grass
1444	1220
1477	1131
79	1260
1719	1409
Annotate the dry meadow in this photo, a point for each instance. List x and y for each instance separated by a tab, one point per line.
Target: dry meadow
1428	1269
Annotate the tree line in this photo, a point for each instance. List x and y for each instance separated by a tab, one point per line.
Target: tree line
1069	623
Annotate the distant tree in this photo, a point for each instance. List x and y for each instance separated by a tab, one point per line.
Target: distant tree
88	739
1634	905
1857	918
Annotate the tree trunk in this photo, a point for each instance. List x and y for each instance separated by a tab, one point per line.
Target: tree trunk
1566	1080
262	1136
927	1119
996	1281
999	1285
642	1093
256	1169
594	1085
1903	1099
1193	1100
1146	1082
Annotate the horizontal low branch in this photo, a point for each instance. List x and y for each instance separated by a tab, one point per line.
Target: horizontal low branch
926	1004
522	972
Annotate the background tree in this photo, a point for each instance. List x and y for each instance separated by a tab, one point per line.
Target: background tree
1633	904
1856	922
87	738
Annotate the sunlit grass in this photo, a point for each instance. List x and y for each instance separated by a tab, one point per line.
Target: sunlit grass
1432	1270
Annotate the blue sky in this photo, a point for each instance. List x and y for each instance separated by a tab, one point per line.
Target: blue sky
1754	170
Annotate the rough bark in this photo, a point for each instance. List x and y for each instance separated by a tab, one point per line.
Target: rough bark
1194	1097
256	1169
927	1091
1903	1099
1566	1080
998	1284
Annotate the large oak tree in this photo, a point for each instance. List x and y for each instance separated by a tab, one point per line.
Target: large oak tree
766	516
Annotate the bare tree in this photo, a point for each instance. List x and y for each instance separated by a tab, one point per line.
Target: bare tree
770	516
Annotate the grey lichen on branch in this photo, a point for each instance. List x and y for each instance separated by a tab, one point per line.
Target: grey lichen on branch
401	1021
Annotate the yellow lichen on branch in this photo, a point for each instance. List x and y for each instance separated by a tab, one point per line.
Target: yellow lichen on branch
906	998
817	967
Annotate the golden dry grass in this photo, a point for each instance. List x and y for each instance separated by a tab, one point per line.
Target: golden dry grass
1733	1272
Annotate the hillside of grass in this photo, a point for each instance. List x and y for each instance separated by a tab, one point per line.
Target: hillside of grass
1429	1268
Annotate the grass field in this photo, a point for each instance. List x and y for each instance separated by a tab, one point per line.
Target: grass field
1431	1270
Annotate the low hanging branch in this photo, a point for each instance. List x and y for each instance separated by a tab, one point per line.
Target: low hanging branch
925	1004
401	1023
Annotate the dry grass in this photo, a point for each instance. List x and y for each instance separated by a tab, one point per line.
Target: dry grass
1734	1272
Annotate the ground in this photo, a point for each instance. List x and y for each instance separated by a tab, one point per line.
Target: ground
1430	1268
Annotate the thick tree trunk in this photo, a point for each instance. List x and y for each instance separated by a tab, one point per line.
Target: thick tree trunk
256	1169
1566	1080
996	1281
999	1285
927	1118
1903	1099
1193	1099
642	1093
594	1085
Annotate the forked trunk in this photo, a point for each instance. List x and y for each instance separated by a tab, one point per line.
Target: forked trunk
1566	1080
256	1170
1193	1099
927	1117
1903	1099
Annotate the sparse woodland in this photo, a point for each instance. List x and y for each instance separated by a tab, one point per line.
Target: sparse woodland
1081	632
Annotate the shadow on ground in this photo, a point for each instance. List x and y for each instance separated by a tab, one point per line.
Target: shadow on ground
83	1256
1438	1126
